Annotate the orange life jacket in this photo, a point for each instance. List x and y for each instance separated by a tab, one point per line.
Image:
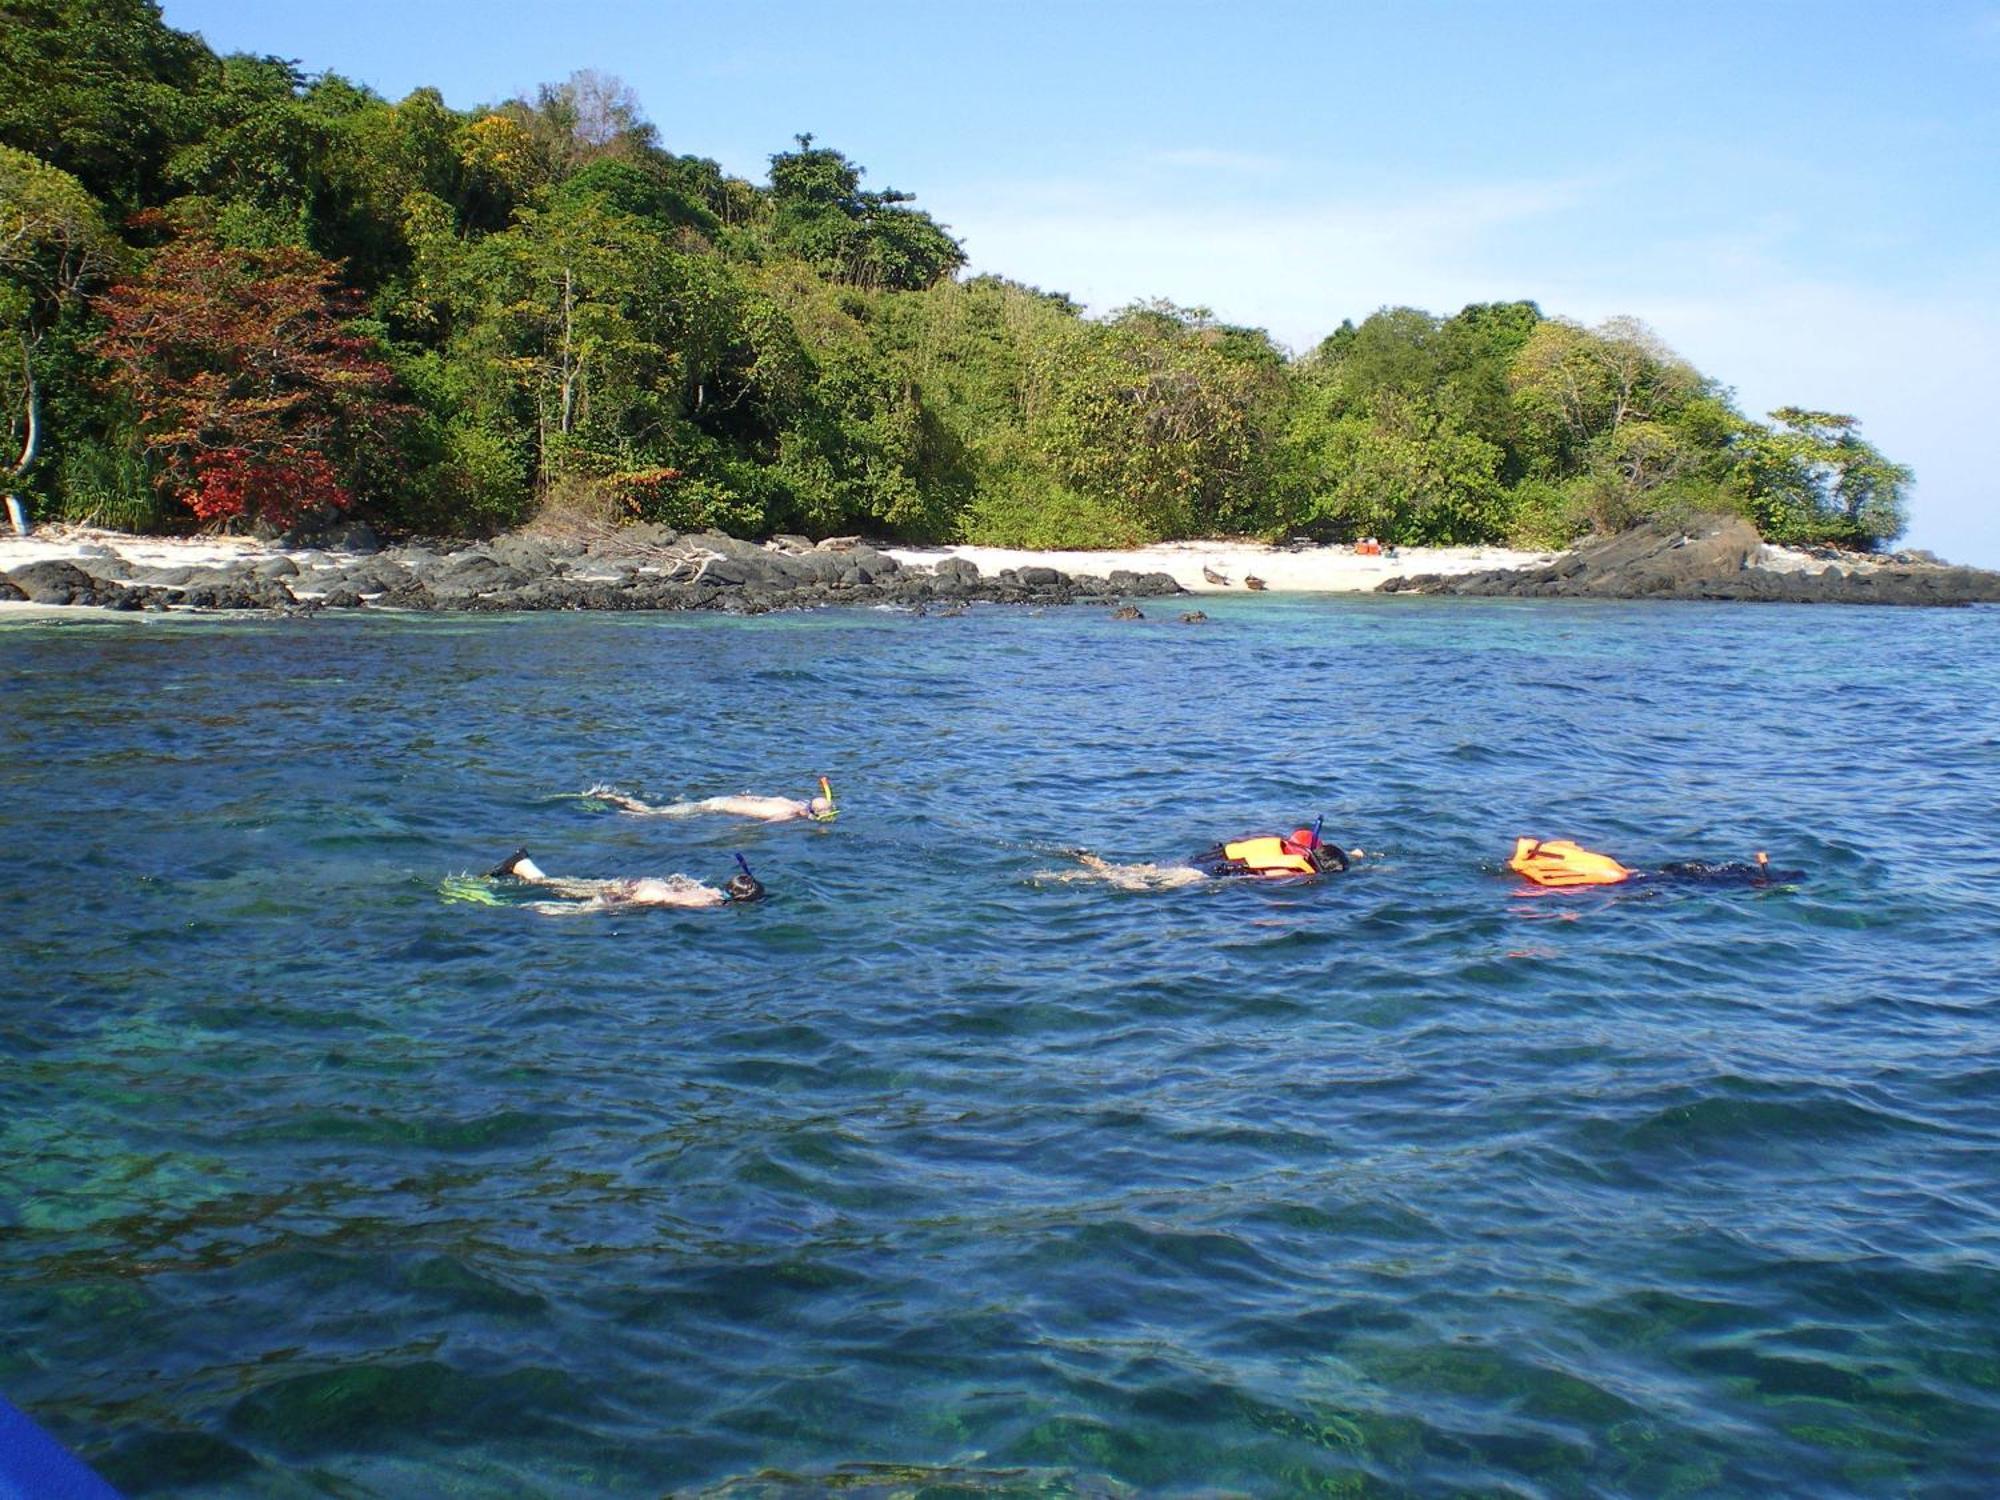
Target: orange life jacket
1558	862
1270	855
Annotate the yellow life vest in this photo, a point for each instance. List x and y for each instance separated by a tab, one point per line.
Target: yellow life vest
1558	863
1268	856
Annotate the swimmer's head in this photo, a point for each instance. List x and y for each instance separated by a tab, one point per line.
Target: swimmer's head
822	810
1303	838
744	887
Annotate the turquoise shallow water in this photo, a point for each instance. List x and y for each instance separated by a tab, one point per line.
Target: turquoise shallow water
926	1177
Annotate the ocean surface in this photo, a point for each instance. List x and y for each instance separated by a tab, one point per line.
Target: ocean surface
936	1176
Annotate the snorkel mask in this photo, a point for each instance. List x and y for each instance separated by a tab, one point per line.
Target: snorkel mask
831	810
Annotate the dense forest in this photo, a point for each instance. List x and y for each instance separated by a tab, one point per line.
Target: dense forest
233	291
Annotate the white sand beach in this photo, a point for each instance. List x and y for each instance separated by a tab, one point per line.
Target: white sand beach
1337	569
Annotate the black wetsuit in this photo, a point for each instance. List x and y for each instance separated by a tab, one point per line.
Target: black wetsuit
1701	872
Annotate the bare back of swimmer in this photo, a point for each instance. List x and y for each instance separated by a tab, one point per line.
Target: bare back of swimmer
579	895
820	808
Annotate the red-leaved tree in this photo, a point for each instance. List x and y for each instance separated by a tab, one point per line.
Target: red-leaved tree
254	395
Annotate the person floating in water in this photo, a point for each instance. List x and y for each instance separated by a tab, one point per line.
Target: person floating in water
1560	864
1300	855
608	895
820	809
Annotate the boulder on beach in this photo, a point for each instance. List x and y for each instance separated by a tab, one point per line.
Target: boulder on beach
54	581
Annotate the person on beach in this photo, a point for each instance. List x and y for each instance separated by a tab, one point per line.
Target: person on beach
608	895
819	809
1562	864
1300	855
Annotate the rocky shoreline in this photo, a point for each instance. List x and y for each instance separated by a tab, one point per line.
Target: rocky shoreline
1724	559
643	567
629	568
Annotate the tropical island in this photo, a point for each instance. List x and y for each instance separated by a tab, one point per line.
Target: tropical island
234	293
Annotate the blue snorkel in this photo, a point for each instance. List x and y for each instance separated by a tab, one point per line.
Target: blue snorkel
1339	856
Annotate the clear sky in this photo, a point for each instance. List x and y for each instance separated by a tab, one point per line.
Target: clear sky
1804	199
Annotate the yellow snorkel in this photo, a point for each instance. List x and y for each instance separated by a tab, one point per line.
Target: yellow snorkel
832	808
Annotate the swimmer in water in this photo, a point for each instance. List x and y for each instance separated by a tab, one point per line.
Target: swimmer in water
1300	855
613	895
1560	864
820	809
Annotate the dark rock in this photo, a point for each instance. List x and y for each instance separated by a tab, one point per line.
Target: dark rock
526	556
648	534
956	567
1715	560
171	577
236	593
342	597
379	575
10	589
276	567
730	572
1156	586
54	581
1034	576
1123	580
1128	612
474	573
411	595
1193	617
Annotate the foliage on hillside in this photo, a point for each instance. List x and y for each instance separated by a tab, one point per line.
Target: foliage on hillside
231	288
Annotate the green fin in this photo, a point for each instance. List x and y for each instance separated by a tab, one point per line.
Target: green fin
469	888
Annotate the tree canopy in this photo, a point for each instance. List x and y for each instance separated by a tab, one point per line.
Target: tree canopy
232	286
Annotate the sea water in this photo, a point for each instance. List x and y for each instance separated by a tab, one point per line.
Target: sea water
934	1175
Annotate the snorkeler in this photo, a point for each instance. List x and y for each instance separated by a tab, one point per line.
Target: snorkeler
1560	864
820	809
606	895
1300	855
1269	856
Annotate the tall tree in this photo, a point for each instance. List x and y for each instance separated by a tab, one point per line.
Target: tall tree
254	395
863	238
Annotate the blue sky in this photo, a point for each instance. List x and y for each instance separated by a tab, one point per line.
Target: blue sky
1800	198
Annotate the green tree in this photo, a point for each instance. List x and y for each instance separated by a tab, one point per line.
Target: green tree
102	90
865	239
54	248
1144	414
1402	471
1814	478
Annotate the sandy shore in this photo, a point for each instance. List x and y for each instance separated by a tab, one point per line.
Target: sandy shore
1306	570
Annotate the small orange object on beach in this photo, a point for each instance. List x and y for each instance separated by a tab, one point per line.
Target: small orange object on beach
1368	547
